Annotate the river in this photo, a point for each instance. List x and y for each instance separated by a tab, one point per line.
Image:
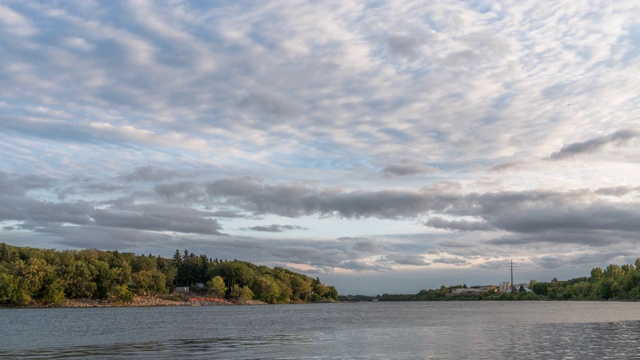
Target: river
382	330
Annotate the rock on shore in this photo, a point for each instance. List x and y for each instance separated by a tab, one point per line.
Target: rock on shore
175	299
156	300
137	301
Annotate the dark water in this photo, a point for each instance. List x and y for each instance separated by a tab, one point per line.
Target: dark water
425	330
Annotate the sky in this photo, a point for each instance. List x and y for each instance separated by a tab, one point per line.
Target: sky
383	146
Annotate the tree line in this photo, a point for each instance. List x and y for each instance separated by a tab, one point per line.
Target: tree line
30	276
615	282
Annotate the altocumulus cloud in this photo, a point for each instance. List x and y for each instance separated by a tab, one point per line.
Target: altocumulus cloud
619	137
415	139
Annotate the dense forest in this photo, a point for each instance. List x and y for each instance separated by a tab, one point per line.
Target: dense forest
31	276
615	282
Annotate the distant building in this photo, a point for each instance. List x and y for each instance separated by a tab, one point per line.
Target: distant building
524	286
183	289
505	287
463	291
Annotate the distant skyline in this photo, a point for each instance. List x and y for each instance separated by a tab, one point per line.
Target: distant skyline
383	146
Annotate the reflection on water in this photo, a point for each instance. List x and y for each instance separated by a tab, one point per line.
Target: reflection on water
487	330
198	348
615	340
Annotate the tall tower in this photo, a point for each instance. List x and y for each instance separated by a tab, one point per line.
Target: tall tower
513	289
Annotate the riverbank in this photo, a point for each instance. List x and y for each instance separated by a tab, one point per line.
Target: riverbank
138	301
175	299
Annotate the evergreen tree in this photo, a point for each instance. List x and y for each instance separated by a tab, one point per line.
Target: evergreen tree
4	252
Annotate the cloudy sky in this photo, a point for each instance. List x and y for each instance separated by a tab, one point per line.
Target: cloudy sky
384	146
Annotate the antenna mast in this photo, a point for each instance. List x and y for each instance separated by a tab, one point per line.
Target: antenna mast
513	289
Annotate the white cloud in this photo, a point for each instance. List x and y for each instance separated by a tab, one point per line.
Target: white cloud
409	112
16	23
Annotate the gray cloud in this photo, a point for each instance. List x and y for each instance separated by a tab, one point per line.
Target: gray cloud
14	184
618	190
596	239
407	259
156	222
495	264
150	173
276	228
40	212
158	217
267	104
506	166
552	262
298	199
108	238
590	260
364	245
526	212
406	168
404	46
185	192
102	188
36	214
450	261
540	217
589	146
460	225
359	265
323	255
227	214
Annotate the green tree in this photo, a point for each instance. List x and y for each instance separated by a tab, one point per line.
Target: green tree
143	282
122	294
333	293
266	289
140	263
444	290
53	292
612	271
121	269
169	270
78	277
9	294
40	276
159	283
32	275
216	287
605	289
301	288
104	280
4	252
242	292
285	293
235	272
322	290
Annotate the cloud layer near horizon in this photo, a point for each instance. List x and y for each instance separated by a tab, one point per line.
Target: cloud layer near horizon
327	137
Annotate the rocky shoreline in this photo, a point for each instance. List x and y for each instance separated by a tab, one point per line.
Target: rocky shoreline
137	302
149	301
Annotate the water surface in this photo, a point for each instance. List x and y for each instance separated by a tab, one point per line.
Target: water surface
383	330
